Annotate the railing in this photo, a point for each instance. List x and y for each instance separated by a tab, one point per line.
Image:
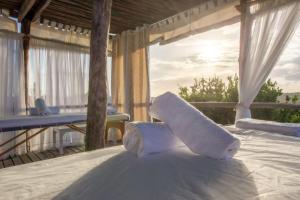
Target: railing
255	105
70	107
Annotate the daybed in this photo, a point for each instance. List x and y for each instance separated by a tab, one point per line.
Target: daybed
266	167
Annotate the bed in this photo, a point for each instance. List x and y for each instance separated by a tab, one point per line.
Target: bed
23	122
266	167
69	120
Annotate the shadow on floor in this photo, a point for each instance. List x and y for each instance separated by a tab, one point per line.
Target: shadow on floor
174	175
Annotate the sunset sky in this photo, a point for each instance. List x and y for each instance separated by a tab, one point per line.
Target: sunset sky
214	53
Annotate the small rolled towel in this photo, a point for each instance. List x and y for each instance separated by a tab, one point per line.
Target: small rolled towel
143	138
193	128
41	107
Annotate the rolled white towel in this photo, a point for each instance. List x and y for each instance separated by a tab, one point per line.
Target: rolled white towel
193	128
143	138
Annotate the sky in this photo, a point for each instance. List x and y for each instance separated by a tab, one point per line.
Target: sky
214	53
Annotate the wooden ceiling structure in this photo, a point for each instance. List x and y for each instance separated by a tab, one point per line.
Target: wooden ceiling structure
125	14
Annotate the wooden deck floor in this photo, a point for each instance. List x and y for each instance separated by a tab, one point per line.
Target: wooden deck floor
38	156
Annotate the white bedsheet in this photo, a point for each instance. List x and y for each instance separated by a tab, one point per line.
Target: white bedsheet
266	167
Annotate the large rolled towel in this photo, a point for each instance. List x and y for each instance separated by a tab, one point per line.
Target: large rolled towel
143	138
193	128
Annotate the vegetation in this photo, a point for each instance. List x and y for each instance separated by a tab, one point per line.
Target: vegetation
215	89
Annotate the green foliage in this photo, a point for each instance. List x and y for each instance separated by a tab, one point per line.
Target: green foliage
215	89
204	90
231	93
295	99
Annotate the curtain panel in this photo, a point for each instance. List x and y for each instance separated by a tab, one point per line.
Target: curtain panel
12	85
130	73
59	74
269	26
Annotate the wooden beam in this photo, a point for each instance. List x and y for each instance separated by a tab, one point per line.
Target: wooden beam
25	8
97	100
40	8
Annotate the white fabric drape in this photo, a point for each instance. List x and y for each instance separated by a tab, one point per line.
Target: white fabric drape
268	28
130	73
11	91
64	33
208	15
58	73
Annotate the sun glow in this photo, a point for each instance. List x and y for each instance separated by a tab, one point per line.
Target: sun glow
210	52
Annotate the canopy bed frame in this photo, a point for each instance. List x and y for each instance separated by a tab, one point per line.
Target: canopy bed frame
267	166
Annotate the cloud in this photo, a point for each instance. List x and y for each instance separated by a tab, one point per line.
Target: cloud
179	63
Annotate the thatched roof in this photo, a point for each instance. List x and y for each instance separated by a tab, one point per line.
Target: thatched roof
126	14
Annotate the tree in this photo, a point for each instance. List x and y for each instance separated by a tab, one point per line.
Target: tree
287	99
295	99
215	89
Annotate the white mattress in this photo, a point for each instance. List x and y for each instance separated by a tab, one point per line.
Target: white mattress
291	129
266	167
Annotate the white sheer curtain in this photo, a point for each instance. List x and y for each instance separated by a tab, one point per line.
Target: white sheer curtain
58	73
268	28
11	91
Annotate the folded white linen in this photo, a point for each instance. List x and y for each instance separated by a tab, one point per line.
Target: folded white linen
143	138
291	129
193	128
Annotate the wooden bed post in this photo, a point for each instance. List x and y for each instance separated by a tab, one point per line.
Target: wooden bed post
26	15
25	29
97	98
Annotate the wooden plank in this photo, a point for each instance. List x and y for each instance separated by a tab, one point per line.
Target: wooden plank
1	164
40	8
17	160
8	162
75	150
68	151
25	159
25	8
126	14
40	155
48	154
55	153
33	157
97	98
80	148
